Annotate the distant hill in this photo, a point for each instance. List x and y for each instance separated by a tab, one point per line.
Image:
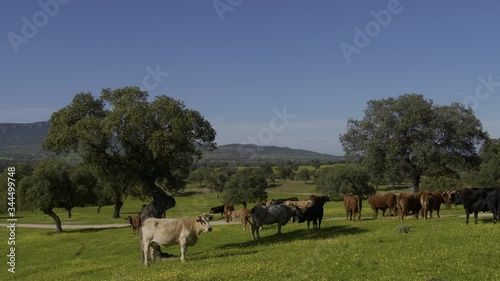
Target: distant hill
254	154
23	142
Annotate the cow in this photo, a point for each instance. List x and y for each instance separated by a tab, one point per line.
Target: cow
314	214
168	232
244	215
135	222
216	210
280	214
228	211
319	200
408	202
382	202
432	202
352	205
475	200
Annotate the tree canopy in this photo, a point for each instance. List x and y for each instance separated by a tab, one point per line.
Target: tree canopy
141	146
248	185
411	136
344	179
488	173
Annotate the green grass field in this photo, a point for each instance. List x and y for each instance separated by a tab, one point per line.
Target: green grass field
439	248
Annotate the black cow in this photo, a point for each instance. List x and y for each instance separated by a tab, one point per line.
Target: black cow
476	200
218	209
314	214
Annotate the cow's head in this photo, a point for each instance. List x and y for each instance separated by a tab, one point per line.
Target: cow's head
204	220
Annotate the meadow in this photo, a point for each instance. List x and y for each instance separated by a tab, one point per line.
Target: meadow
439	248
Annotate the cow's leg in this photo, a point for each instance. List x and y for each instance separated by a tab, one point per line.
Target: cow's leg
308	221
467	214
475	216
183	249
145	250
375	213
279	228
383	212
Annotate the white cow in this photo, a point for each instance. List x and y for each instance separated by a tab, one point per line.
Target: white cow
168	232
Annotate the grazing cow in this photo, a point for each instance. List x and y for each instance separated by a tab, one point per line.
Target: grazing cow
408	202
382	202
280	214
244	215
352	205
228	211
314	214
475	200
281	201
168	232
218	209
135	222
319	200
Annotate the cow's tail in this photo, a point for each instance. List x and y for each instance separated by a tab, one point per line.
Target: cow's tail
359	207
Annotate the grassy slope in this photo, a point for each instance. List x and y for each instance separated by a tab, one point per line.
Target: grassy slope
443	248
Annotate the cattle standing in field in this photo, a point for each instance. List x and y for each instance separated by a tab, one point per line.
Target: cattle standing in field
228	211
218	209
244	215
314	214
431	202
280	214
352	206
168	232
408	202
476	200
382	202
135	222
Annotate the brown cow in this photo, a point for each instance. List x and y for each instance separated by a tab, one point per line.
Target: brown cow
432	201
228	210
352	205
135	222
244	215
408	202
450	196
382	202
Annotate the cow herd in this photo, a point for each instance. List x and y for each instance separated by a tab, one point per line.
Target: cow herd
185	231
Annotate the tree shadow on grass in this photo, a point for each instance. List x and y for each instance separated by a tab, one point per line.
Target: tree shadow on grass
289	236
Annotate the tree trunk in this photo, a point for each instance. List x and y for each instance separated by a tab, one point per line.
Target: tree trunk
116	212
415	185
69	212
216	195
56	219
99	209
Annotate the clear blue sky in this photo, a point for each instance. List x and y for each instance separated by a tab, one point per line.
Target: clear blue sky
240	65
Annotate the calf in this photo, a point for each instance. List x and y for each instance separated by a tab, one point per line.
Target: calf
280	214
168	232
475	200
352	205
382	202
314	214
216	210
228	211
135	222
244	215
